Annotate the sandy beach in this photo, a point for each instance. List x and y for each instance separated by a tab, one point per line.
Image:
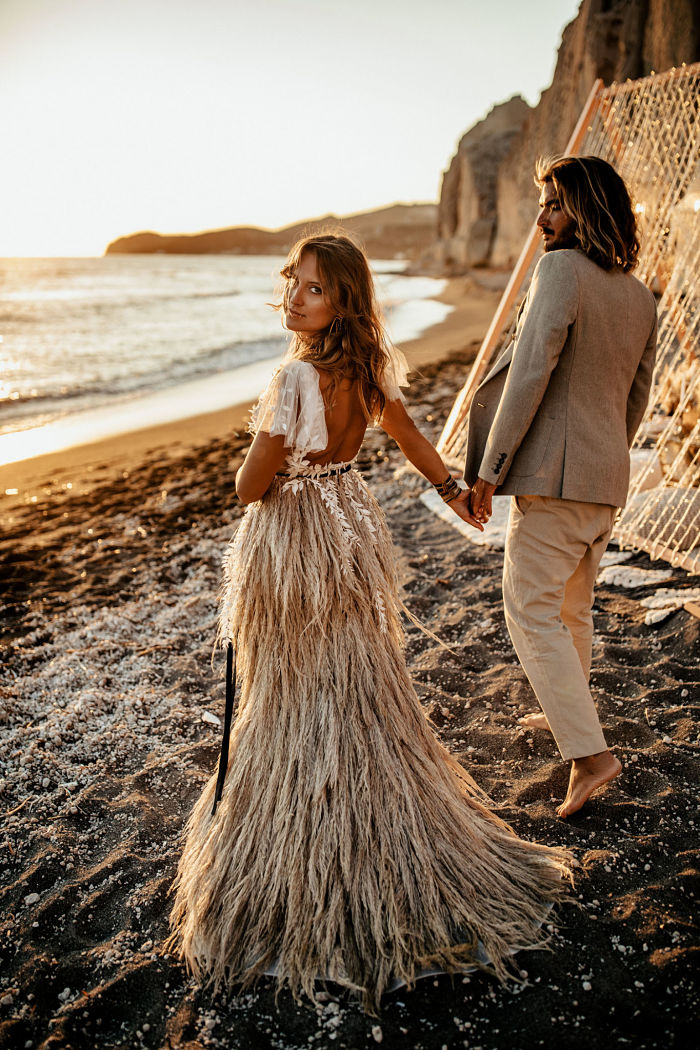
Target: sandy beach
110	712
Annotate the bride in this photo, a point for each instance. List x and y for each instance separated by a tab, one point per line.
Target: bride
347	843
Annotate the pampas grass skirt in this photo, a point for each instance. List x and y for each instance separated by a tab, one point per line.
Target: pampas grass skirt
348	844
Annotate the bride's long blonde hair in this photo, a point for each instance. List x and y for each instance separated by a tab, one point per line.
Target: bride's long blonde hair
355	345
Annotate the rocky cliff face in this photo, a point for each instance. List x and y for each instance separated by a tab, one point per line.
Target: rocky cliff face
468	198
611	39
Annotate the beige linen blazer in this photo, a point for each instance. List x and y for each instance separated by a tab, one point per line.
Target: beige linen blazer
557	413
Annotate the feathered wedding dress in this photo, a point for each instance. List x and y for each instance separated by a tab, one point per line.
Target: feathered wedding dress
348	844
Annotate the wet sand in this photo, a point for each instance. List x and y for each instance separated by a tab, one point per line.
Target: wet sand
109	710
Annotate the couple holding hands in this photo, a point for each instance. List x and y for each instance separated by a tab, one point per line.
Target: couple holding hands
348	844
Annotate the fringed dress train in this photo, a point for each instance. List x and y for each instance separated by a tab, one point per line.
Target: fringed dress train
348	843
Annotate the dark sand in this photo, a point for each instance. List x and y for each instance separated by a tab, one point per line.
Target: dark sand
109	603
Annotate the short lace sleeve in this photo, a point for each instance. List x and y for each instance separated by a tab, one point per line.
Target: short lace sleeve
292	405
395	375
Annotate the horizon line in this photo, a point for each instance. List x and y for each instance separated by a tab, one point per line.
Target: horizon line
219	229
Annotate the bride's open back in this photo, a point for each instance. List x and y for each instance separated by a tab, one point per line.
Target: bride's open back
345	422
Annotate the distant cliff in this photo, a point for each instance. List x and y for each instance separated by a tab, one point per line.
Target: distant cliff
611	39
399	231
467	213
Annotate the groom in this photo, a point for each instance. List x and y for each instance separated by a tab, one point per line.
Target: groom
551	425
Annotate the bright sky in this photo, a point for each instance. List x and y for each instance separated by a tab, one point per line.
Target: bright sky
183	115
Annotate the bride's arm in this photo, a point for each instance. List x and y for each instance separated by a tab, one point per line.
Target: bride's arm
264	458
417	449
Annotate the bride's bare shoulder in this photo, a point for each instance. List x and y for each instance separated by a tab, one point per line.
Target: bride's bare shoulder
326	381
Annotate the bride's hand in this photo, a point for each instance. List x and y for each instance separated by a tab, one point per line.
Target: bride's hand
460	505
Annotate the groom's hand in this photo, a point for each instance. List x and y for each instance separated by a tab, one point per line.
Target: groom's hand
460	505
480	497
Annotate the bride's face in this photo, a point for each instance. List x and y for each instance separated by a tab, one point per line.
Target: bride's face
307	309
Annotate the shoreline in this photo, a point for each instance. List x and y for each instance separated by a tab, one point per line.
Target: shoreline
78	469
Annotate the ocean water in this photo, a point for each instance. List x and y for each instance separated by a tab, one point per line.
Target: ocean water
94	347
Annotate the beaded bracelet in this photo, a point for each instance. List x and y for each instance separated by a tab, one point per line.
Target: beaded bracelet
448	489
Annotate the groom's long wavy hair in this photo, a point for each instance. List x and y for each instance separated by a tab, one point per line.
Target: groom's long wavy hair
593	194
355	345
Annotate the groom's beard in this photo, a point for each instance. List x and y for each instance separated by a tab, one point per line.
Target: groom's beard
552	242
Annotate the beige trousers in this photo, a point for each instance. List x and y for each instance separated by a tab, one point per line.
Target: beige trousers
553	549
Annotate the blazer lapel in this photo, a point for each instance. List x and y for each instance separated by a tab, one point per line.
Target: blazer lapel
503	361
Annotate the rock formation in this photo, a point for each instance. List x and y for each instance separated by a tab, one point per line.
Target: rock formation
611	39
468	204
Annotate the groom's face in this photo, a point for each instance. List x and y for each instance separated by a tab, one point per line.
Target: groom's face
558	229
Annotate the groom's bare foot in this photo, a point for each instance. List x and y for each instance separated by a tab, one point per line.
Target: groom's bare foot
535	721
588	774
